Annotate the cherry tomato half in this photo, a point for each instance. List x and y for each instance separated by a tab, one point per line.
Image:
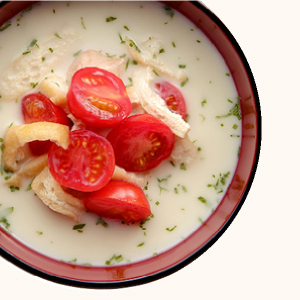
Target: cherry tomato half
39	108
173	97
141	142
98	98
119	200
88	163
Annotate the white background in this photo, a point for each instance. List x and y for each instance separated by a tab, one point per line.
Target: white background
258	256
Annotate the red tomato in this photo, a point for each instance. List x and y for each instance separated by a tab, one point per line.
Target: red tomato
119	200
39	108
98	98
173	97
141	142
88	163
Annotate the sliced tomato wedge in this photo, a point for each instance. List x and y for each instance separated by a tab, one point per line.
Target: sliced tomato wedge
173	97
88	163
141	142
37	107
119	200
98	98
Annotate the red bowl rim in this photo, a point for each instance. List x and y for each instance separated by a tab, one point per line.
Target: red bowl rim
171	260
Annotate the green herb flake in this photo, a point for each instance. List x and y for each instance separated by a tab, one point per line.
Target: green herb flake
26	52
101	222
198	41
114	259
78	227
77	53
235	126
182	167
39	232
51	50
203	200
33	43
227	74
57	35
169	11
43	59
162	51
183	83
154	71
173	44
234	111
171	229
14	188
110	19
82	23
203	102
182	66
141	244
121	39
133	44
33	84
126	28
5	26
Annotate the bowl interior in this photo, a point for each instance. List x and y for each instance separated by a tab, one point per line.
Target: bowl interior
189	249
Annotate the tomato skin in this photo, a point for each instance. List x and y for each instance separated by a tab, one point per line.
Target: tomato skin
37	107
173	98
88	163
141	142
98	98
119	200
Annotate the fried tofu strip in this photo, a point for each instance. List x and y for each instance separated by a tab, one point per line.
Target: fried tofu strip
17	136
153	104
29	169
28	67
55	88
184	151
139	179
145	53
52	195
93	58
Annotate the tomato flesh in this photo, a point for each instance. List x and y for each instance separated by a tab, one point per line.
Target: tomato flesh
98	98
141	143
37	107
173	97
119	200
88	163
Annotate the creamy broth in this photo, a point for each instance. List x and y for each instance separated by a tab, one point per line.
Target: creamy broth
181	199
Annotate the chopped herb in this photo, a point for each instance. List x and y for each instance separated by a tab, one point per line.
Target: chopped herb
221	181
43	58
235	126
100	221
182	66
127	64
33	84
234	111
169	11
53	10
227	74
39	232
29	186
110	55
157	202
162	180
14	188
33	43
110	19
203	200
203	102
114	259
123	55
133	44
173	44
134	62
78	227
162	50
172	163
141	244
76	53
57	35
155	72
82	23
182	166
126	28
199	149
7	177
121	39
26	52
198	41
171	229
183	83
51	50
5	26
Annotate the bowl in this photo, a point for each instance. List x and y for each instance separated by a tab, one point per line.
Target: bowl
205	236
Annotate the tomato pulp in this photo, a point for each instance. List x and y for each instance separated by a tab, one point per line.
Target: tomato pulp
120	200
88	163
141	142
98	98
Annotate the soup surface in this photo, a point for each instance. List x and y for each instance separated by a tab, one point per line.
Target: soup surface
182	196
